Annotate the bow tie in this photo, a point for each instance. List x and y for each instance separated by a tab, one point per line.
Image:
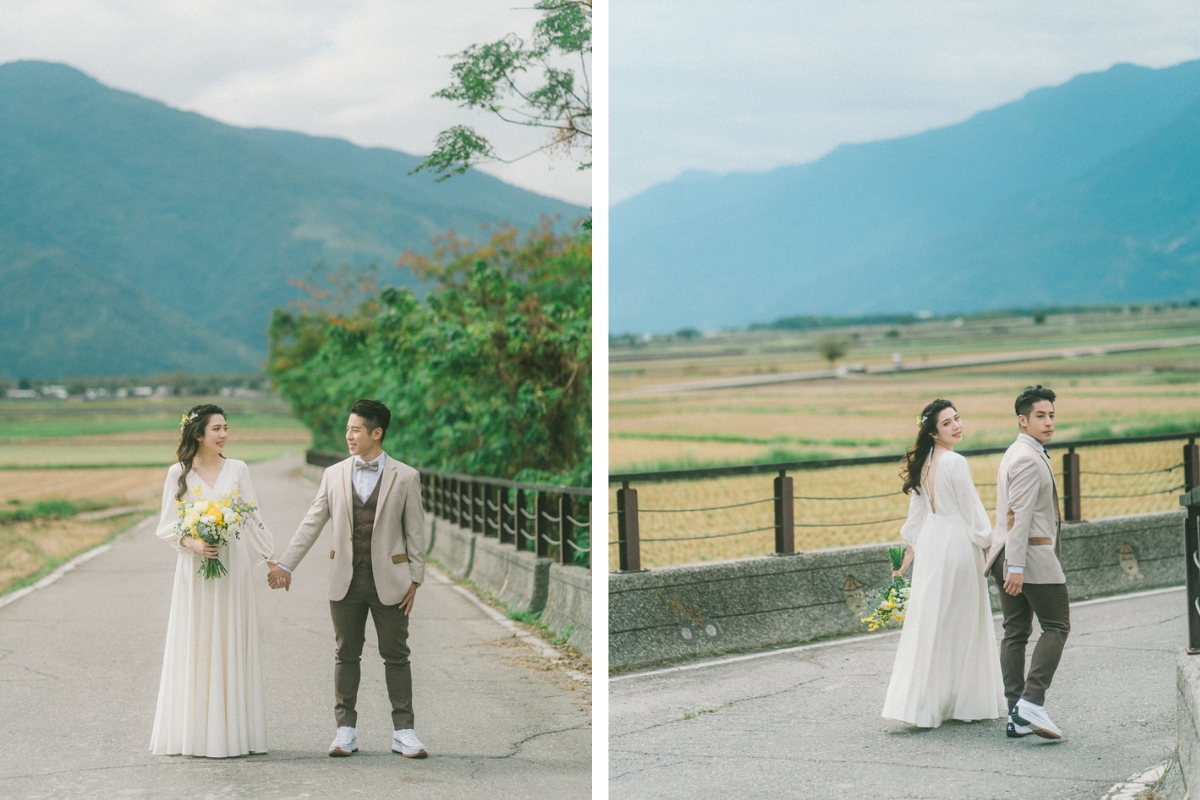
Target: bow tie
371	465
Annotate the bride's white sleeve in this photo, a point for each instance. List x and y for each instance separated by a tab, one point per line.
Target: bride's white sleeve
918	510
979	529
258	538
170	515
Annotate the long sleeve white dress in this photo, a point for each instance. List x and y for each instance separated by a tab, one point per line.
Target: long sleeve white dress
947	664
210	699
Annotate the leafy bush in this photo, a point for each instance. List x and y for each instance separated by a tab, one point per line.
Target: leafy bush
490	374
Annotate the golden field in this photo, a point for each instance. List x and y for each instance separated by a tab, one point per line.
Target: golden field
859	414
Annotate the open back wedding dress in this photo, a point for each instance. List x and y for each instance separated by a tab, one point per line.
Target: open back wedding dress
947	664
210	698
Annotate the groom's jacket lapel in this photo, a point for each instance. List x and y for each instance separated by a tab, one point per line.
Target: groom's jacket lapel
386	480
347	488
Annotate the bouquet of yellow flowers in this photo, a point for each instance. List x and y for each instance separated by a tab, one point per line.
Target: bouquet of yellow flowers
890	601
210	521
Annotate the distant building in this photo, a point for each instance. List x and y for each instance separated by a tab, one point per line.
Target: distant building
21	394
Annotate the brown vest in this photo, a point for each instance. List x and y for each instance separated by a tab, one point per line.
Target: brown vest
364	524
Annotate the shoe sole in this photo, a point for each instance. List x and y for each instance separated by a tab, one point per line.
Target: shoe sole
1045	734
419	754
338	752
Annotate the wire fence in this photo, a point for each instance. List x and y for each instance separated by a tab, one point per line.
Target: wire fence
551	521
737	512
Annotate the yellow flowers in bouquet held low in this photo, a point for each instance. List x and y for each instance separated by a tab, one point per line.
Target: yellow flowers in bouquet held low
890	601
210	522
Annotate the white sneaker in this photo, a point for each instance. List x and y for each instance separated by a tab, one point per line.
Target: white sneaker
344	743
1038	719
407	744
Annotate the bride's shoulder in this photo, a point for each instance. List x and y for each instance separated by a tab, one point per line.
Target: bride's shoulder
174	470
238	466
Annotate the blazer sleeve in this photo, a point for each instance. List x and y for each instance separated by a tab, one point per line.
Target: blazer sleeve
918	511
978	527
1024	481
414	530
310	527
170	514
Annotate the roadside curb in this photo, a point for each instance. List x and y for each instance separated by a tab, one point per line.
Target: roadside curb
82	558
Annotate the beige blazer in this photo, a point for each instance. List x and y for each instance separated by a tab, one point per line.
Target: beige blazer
397	540
1027	509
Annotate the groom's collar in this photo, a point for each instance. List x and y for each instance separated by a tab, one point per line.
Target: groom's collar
381	459
1032	442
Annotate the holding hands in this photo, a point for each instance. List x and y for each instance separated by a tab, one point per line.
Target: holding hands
278	577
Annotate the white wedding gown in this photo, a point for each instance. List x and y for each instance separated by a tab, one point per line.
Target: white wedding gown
947	664
210	698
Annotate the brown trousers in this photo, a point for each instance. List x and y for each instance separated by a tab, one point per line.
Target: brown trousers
1050	604
350	628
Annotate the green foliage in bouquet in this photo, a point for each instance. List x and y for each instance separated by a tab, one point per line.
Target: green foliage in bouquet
490	374
888	603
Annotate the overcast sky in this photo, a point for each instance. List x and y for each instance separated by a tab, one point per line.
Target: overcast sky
361	70
751	85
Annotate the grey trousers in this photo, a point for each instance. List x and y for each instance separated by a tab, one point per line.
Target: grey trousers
350	628
1050	604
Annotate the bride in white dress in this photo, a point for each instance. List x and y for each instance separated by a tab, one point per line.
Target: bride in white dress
210	698
947	664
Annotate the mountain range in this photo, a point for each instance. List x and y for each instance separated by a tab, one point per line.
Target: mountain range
1083	193
137	238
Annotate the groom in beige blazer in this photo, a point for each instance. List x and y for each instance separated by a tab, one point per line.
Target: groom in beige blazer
378	555
1024	561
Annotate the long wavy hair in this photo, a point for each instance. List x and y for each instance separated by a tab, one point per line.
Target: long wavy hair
914	459
190	434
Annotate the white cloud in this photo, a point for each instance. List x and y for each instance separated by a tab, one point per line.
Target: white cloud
362	70
752	85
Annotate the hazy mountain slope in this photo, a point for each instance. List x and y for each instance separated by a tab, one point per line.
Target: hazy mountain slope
92	319
208	220
860	229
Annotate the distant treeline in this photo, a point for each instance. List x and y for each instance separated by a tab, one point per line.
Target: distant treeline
490	374
813	322
175	383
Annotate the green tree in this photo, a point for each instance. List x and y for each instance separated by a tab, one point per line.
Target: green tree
832	348
489	375
542	83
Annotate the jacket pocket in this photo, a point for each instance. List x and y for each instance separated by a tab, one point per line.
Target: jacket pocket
400	558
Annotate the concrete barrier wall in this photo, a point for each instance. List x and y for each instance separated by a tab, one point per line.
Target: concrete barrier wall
569	605
684	613
520	579
1187	722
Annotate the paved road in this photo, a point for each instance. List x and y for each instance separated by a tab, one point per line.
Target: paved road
805	722
80	662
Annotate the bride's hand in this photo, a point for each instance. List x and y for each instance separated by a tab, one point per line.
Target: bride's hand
201	547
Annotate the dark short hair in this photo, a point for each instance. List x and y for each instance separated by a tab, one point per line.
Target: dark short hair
374	413
1030	396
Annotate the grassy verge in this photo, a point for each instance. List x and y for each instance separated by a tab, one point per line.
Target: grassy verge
529	621
31	547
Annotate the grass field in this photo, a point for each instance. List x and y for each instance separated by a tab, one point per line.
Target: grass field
857	415
96	455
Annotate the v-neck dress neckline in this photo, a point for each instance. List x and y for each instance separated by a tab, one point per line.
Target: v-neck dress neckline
213	488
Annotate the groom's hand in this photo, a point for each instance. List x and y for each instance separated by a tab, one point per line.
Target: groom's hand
406	605
1013	582
278	577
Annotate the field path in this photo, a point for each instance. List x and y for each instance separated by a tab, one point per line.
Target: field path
804	722
80	662
921	366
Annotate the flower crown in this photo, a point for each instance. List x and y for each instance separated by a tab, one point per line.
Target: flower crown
183	423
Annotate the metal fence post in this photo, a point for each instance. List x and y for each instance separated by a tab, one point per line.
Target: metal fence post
1191	465
488	493
566	532
501	534
1071	505
456	501
785	528
519	520
627	529
1191	549
476	499
541	527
